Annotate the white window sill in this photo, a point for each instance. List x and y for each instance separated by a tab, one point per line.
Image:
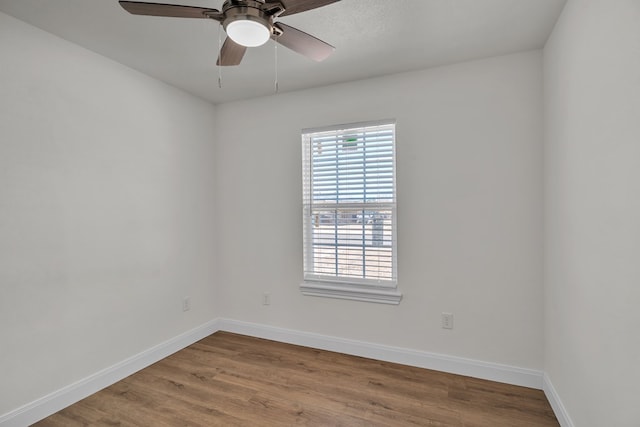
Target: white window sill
379	295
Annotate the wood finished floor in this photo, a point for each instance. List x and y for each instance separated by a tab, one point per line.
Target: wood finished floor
234	380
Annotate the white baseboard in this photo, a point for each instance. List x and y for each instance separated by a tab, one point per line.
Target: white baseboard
439	362
52	403
556	404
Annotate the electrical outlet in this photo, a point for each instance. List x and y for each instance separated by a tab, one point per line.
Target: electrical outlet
447	320
266	298
186	304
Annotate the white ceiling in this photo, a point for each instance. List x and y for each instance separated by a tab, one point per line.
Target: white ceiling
372	38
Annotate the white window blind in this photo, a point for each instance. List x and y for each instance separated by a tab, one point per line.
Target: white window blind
350	205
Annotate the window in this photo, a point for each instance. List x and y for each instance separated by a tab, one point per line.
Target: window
349	219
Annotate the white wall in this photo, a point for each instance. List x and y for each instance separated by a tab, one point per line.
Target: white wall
106	213
469	206
592	219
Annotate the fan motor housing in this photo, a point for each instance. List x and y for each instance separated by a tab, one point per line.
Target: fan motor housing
249	10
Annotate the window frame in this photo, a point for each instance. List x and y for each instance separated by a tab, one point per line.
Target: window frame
353	288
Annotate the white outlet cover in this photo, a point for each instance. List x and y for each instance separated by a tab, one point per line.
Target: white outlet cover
447	320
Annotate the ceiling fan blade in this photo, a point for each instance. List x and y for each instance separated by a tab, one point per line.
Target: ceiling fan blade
297	6
171	10
303	43
231	53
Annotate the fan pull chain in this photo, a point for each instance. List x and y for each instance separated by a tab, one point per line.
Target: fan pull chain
275	44
219	50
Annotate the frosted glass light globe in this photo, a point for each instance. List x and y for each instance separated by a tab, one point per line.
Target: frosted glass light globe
248	33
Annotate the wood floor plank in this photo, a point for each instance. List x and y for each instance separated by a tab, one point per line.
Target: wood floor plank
233	380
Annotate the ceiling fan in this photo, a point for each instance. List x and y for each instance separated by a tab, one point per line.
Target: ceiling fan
248	23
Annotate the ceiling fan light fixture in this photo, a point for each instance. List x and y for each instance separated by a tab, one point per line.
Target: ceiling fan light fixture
247	32
248	23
